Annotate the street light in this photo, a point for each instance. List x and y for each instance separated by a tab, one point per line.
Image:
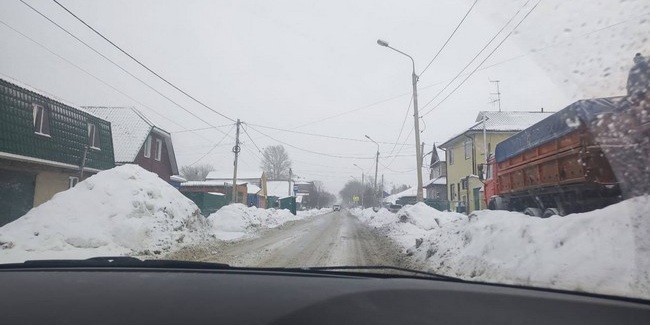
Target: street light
376	164
362	187
416	118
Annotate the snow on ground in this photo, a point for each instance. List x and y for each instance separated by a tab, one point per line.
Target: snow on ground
126	211
600	251
122	211
237	220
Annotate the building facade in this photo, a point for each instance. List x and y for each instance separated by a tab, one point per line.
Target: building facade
138	141
471	148
46	147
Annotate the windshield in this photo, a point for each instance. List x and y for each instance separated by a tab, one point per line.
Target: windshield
493	141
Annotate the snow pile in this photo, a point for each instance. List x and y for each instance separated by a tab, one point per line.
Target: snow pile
313	212
237	220
122	211
604	251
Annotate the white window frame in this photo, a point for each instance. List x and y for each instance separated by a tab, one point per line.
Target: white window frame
72	181
35	109
451	156
147	147
467	147
158	149
93	134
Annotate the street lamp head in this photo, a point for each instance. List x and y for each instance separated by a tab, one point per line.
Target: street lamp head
368	137
382	42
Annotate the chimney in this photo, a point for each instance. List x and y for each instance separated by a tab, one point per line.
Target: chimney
542	109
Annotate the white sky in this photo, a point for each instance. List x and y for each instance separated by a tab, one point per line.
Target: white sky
293	64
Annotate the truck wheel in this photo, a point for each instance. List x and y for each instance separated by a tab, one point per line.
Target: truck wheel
550	212
534	212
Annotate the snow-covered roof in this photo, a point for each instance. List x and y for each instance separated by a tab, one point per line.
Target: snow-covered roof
253	189
508	121
408	192
278	188
177	178
217	175
442	180
130	130
210	183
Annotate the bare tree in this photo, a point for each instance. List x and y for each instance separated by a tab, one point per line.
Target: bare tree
276	162
196	173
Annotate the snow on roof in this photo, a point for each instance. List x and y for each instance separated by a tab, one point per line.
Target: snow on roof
130	130
210	183
278	188
442	180
408	192
217	175
177	178
253	189
508	121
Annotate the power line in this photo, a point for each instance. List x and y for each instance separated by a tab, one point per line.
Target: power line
213	147
475	57
117	65
316	134
144	66
401	147
351	111
249	137
448	39
408	109
307	150
487	57
88	73
203	129
95	77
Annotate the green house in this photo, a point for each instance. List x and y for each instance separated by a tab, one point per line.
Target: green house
46	147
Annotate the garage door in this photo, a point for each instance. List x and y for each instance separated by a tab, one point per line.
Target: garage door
16	194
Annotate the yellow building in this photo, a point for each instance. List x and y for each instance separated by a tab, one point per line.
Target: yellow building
467	150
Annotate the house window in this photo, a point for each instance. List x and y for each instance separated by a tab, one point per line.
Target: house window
468	149
158	149
451	156
147	147
93	136
72	181
41	119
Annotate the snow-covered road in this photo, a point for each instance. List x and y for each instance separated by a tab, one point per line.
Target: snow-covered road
336	238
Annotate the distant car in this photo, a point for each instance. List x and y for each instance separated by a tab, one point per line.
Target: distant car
394	208
336	207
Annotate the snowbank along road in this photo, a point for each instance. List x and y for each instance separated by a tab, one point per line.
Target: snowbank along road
336	238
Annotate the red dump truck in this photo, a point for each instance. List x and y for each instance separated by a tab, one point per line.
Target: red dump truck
588	155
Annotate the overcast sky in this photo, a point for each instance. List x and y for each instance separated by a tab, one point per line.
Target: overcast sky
315	67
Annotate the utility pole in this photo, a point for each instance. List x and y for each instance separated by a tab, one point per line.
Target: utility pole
416	118
485	150
236	149
498	93
418	151
290	171
363	189
381	190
